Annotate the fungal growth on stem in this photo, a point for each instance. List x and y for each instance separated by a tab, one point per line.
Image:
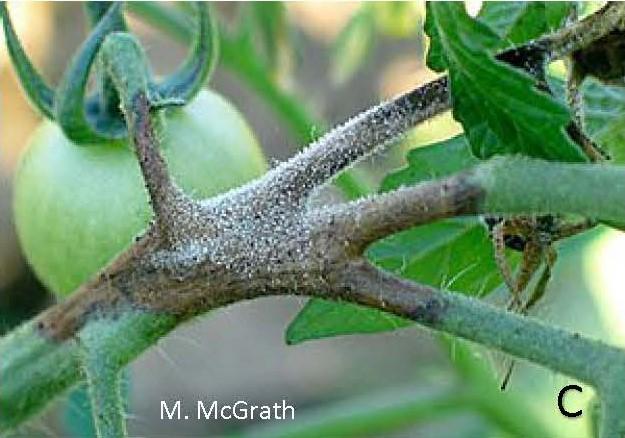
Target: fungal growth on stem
265	238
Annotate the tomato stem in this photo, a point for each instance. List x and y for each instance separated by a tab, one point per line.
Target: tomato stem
126	64
104	386
109	99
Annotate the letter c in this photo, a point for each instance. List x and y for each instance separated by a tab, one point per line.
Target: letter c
561	397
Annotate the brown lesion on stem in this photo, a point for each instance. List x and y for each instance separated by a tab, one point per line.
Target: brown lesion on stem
97	296
310	260
362	283
610	18
171	206
153	167
362	222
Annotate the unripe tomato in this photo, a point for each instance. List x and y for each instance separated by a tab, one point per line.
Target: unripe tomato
77	206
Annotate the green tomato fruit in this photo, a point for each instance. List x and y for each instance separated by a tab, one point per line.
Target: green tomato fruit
77	206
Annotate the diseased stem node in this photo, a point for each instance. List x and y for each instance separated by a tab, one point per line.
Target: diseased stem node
127	65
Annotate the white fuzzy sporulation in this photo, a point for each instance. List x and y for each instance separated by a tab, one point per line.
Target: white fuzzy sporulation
265	229
350	142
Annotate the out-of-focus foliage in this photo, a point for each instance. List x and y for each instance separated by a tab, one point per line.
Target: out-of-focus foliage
353	45
357	39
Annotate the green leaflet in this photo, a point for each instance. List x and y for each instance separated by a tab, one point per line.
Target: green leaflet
604	116
184	84
603	113
455	254
324	319
433	161
482	38
79	124
499	107
518	22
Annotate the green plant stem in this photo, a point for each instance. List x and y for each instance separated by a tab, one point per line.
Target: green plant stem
612	393
528	338
593	362
109	99
34	369
104	385
501	408
519	185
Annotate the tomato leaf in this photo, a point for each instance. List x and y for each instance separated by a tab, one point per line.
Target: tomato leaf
482	38
604	116
500	108
433	161
603	111
453	254
324	319
518	22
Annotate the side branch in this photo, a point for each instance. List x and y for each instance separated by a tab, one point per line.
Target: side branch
356	138
505	186
126	64
569	39
161	189
364	221
105	395
591	361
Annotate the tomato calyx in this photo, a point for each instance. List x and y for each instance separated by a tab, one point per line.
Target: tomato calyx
96	118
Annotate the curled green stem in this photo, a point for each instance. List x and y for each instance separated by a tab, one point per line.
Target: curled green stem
109	100
185	83
70	111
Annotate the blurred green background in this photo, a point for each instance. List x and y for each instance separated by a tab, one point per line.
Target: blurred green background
331	60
